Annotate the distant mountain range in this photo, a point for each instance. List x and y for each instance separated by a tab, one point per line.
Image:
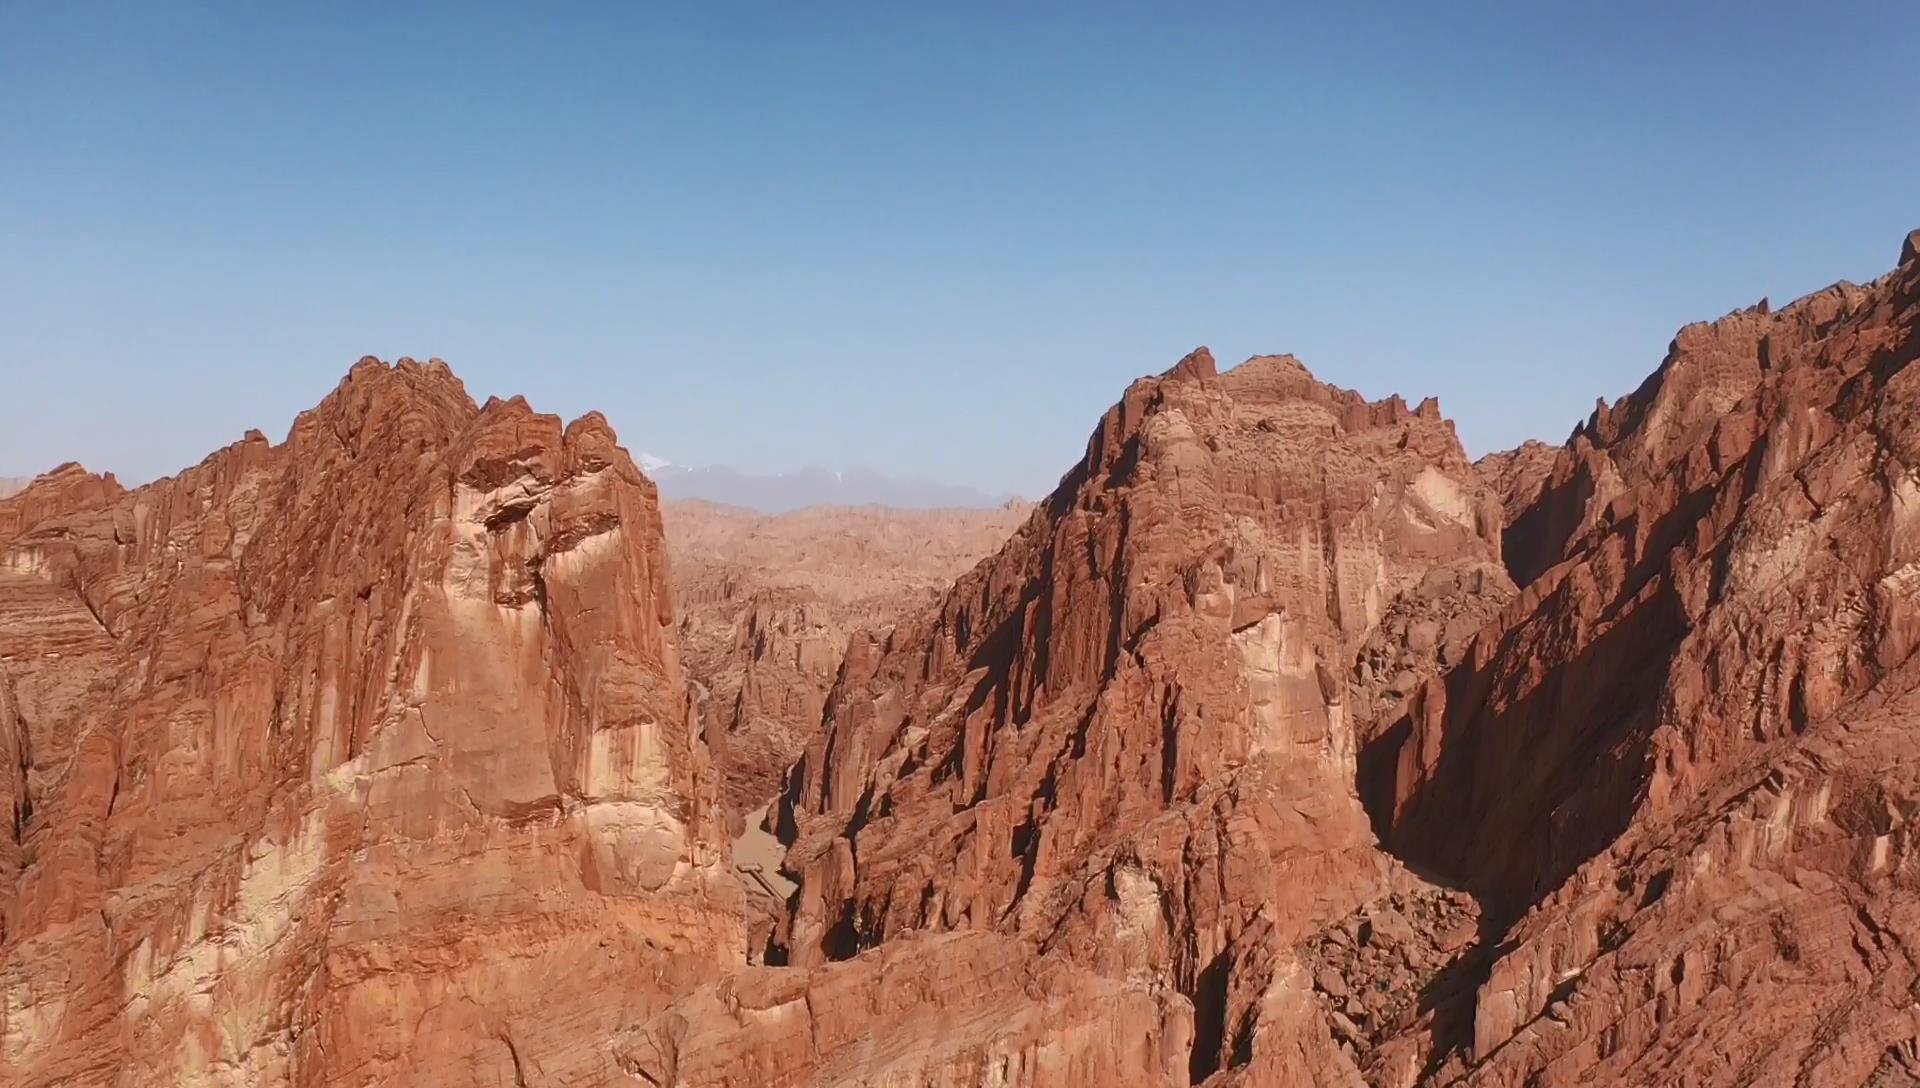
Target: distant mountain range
780	492
777	493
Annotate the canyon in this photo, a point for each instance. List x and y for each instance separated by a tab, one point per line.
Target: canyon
767	604
1282	744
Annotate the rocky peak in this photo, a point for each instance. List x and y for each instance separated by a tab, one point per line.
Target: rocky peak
1164	651
1649	766
68	489
368	756
1518	475
396	707
1196	364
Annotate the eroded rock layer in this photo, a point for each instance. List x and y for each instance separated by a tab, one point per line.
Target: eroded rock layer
1679	769
1126	743
364	758
1280	745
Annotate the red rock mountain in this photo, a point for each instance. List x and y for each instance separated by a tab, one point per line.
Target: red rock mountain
1681	767
1126	744
1281	745
362	758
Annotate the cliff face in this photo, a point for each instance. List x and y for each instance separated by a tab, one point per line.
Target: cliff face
1679	767
333	756
1663	788
1280	745
1126	742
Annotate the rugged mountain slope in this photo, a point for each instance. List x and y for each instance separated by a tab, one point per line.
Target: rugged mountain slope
1280	745
66	490
362	758
1674	773
767	605
1518	476
1683	763
1124	744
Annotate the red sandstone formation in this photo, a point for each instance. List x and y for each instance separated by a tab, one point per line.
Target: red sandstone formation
1126	742
1680	768
1518	475
767	604
362	758
1281	745
66	490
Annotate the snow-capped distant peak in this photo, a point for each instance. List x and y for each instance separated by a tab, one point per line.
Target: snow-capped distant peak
651	463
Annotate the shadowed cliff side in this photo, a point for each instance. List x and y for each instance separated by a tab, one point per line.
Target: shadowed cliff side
1677	768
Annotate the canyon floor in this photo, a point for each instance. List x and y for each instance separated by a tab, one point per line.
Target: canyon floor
1282	744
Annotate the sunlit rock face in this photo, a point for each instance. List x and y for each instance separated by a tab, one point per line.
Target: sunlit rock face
361	758
1127	742
1280	745
1679	770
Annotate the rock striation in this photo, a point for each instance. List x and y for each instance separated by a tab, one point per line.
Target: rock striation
1680	766
361	758
1126	742
1280	745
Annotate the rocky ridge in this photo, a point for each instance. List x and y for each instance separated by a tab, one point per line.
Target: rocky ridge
1678	768
1280	745
1126	743
333	755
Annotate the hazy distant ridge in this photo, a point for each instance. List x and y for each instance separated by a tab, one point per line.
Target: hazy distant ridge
779	492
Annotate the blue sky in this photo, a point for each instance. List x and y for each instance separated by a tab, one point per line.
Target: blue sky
932	242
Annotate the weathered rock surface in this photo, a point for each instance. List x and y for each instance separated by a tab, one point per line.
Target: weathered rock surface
1678	770
767	605
1125	743
362	758
68	489
1281	745
1518	476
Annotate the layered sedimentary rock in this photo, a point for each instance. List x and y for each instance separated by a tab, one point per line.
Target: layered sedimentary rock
69	489
767	605
1125	743
1679	769
361	758
1281	745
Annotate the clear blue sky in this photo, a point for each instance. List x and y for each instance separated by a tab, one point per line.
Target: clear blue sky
937	243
